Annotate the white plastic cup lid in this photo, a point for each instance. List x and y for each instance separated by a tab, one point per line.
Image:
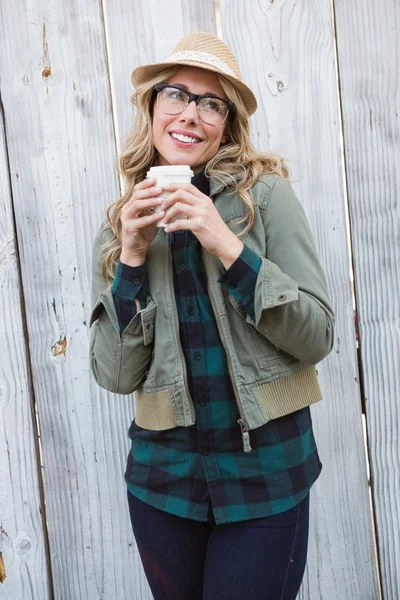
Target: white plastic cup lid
170	170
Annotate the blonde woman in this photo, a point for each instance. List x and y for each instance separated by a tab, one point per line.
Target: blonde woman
216	322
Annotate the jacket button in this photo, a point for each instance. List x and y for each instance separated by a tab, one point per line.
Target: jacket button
148	326
282	297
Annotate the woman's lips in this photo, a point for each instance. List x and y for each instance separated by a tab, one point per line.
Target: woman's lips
181	144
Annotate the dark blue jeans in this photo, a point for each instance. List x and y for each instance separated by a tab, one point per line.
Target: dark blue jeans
260	559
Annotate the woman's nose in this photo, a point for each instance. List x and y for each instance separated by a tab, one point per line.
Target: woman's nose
190	113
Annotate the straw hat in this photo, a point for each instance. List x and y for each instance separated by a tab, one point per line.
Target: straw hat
201	49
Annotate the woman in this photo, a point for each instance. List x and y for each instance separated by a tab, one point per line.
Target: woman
217	322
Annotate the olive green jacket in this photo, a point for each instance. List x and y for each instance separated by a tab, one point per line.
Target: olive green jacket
271	359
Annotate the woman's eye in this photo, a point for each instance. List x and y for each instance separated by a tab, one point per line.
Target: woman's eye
212	105
176	95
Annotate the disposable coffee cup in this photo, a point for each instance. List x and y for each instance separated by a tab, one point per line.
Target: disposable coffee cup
166	175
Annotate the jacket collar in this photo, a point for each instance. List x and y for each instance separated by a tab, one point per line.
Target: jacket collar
216	186
210	186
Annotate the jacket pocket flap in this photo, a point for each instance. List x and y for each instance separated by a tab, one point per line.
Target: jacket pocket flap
148	316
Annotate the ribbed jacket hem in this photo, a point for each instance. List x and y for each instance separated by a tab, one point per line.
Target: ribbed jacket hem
155	410
289	393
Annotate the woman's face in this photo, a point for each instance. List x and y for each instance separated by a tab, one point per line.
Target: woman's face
205	139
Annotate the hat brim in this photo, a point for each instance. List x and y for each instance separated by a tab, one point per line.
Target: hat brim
145	72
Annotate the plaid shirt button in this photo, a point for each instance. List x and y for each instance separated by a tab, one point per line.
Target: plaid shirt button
182	267
197	355
191	310
136	281
206	451
202	401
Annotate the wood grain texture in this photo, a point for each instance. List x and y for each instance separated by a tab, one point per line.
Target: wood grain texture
369	67
144	32
22	535
59	65
61	144
286	53
55	92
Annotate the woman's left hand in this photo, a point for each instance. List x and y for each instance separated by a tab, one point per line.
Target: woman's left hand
200	216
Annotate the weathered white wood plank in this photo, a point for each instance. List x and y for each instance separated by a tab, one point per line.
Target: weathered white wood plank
140	33
61	146
22	527
286	52
144	32
55	91
369	67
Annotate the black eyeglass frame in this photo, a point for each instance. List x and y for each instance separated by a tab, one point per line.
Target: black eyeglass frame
196	98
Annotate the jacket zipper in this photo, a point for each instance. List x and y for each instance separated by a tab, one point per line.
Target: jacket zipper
245	435
244	426
182	356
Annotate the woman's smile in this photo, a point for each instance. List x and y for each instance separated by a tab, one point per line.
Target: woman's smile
184	139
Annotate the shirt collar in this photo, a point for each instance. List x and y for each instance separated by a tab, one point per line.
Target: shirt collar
201	182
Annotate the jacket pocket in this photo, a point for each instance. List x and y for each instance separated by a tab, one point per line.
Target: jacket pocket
268	356
147	319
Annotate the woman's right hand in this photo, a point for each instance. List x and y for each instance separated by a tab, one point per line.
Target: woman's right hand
138	222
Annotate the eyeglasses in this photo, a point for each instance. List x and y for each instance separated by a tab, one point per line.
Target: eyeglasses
211	109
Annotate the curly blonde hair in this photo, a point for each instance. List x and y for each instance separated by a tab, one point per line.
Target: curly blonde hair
237	164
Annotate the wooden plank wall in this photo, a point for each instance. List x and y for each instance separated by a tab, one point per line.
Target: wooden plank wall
61	147
65	91
286	50
369	67
61	142
22	531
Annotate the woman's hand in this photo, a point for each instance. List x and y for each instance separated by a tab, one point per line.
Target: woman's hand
138	222
200	216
